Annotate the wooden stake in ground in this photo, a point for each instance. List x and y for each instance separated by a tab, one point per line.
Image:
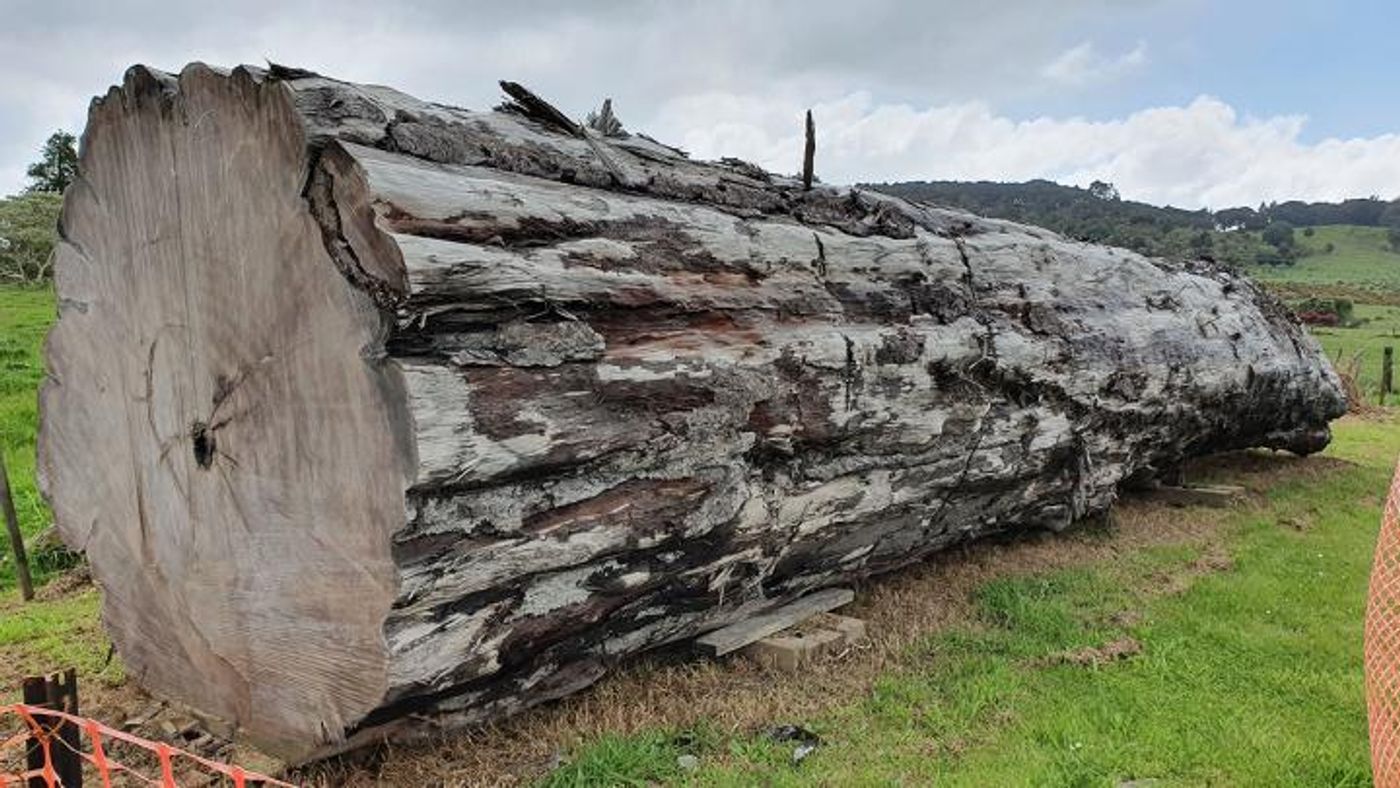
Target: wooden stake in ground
376	416
7	503
57	692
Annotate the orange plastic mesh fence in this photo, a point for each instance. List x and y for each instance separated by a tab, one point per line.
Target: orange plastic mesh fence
41	726
1383	646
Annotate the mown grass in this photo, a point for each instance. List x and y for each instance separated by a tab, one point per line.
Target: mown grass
1361	258
1250	671
1360	267
1380	329
25	317
56	632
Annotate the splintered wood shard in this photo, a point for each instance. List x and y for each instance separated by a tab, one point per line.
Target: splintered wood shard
377	416
809	153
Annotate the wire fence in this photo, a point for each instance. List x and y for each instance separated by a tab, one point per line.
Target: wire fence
35	752
1383	646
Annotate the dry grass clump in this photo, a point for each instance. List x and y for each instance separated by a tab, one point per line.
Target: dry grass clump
1349	370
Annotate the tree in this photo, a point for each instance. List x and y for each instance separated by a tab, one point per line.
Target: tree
1202	243
1242	218
1390	217
27	232
1104	190
57	165
1279	235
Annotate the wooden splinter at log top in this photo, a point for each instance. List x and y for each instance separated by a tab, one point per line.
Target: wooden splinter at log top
370	411
809	153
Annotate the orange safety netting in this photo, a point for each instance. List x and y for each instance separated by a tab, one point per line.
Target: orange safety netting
1383	646
41	727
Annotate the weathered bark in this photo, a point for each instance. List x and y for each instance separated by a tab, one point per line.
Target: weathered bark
365	407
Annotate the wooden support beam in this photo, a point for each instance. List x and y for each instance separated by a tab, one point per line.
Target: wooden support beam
1213	495
799	645
852	629
790	652
736	636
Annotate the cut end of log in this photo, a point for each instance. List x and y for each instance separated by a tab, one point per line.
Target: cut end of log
216	404
369	410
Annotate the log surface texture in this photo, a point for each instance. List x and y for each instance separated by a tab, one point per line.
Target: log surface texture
369	410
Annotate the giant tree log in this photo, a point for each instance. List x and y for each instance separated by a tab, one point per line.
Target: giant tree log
368	409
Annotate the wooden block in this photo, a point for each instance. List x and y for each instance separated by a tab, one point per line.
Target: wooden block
1215	495
790	652
736	636
852	629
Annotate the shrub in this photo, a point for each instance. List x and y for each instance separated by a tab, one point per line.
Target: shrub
28	228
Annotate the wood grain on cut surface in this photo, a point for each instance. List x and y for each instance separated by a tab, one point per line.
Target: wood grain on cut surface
215	436
380	416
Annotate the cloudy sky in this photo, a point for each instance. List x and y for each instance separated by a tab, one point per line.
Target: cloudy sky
1185	102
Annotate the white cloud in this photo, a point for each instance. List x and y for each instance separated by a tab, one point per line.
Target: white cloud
640	52
731	77
1083	65
1201	154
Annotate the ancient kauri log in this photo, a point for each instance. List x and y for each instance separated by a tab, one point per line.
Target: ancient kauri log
375	415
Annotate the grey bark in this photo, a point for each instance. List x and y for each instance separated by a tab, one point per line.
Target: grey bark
371	411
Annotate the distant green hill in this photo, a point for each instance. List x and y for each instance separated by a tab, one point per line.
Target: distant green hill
1244	237
1096	214
1340	255
1049	204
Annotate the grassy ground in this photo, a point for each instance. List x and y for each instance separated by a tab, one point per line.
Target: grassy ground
1380	329
1361	258
25	316
1249	670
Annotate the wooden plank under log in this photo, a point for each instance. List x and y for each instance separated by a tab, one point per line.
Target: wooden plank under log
378	416
1217	496
740	634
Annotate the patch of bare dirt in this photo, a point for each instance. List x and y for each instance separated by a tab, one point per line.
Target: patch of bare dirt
69	582
1095	656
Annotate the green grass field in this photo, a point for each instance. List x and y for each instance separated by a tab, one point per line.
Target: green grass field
1361	258
25	316
1366	342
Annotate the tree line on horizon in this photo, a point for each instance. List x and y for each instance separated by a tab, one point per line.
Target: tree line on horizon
1241	236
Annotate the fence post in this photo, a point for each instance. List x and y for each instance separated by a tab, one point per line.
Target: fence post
1387	364
7	502
58	692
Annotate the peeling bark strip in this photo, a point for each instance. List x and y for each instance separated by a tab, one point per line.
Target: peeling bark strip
370	411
